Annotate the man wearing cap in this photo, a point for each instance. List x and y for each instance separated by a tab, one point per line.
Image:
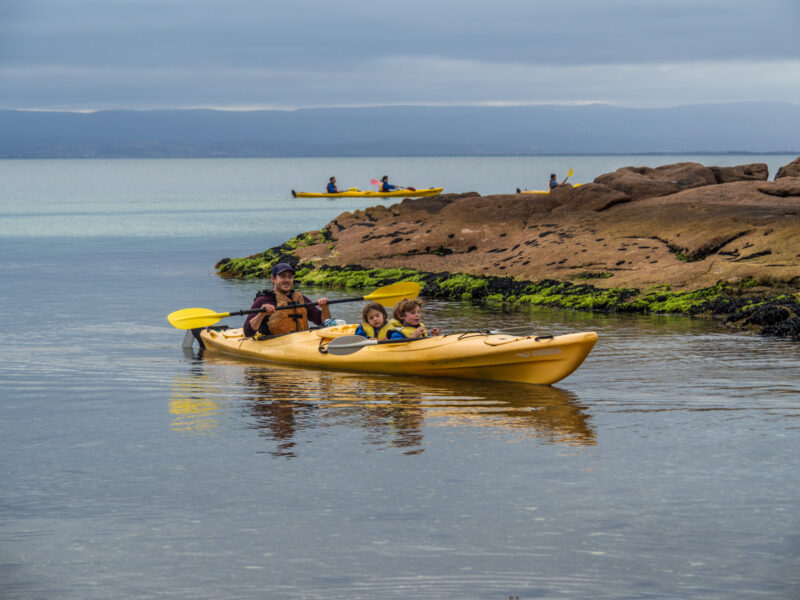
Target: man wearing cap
275	322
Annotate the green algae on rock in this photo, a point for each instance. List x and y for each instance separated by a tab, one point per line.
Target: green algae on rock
722	299
260	265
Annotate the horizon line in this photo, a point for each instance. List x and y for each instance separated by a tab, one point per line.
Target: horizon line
488	104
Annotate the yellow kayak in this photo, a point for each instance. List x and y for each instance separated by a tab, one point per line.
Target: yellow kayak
477	355
356	193
543	192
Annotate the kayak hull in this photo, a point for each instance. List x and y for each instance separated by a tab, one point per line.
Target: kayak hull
543	192
478	355
371	194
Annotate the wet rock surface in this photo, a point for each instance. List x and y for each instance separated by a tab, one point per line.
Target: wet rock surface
773	317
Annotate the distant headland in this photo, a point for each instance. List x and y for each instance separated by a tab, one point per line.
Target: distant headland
745	127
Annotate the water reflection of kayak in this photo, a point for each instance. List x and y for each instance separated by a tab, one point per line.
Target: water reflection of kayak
478	355
356	193
393	410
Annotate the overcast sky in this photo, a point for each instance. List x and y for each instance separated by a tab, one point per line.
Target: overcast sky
244	54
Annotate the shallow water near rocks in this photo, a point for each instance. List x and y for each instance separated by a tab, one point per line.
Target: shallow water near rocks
665	467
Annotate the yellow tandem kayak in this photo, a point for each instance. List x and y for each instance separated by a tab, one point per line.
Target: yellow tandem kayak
356	193
477	355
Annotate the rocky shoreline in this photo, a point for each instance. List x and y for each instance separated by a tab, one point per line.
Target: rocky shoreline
682	238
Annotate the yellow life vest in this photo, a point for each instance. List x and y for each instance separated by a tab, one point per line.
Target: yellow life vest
288	320
382	333
406	330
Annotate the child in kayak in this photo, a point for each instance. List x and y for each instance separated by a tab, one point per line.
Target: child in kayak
374	323
406	323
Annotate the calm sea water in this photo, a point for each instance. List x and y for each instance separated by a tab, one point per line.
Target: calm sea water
665	467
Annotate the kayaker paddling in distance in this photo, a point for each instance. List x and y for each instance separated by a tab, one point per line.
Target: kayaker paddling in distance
374	322
332	189
276	322
385	185
553	184
407	323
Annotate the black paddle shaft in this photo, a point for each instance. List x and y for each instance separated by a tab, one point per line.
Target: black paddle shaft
253	311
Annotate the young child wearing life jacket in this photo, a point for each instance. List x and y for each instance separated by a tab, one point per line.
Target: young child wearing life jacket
406	323
374	322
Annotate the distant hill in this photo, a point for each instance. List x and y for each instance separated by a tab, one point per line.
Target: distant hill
403	131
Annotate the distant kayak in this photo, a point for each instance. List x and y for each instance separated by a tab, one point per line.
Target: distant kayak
356	193
519	191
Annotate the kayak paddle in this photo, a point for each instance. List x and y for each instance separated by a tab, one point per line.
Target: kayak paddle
405	187
348	344
569	174
388	295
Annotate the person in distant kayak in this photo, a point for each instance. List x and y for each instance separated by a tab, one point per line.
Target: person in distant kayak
406	323
554	183
275	322
332	189
374	322
385	185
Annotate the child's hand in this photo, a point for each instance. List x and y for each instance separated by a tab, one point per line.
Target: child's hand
419	332
436	331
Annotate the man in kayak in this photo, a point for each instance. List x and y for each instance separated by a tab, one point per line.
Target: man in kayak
554	182
332	189
275	322
385	185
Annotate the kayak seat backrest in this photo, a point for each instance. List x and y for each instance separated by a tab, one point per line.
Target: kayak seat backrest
337	331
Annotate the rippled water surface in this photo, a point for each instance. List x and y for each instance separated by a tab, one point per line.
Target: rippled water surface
665	467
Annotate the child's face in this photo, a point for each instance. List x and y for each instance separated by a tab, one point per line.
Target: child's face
375	318
411	318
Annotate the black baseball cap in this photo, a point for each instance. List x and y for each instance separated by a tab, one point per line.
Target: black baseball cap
280	268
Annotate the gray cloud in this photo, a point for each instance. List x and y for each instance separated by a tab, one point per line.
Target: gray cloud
173	53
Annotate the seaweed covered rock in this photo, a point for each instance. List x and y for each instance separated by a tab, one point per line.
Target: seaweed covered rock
673	232
777	317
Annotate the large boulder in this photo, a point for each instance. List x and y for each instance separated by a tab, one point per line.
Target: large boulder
751	172
790	170
589	196
785	188
644	182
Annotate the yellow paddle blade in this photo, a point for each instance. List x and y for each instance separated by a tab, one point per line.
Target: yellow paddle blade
192	318
389	295
569	174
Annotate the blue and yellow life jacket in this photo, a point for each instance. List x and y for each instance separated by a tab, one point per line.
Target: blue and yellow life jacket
382	333
406	330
